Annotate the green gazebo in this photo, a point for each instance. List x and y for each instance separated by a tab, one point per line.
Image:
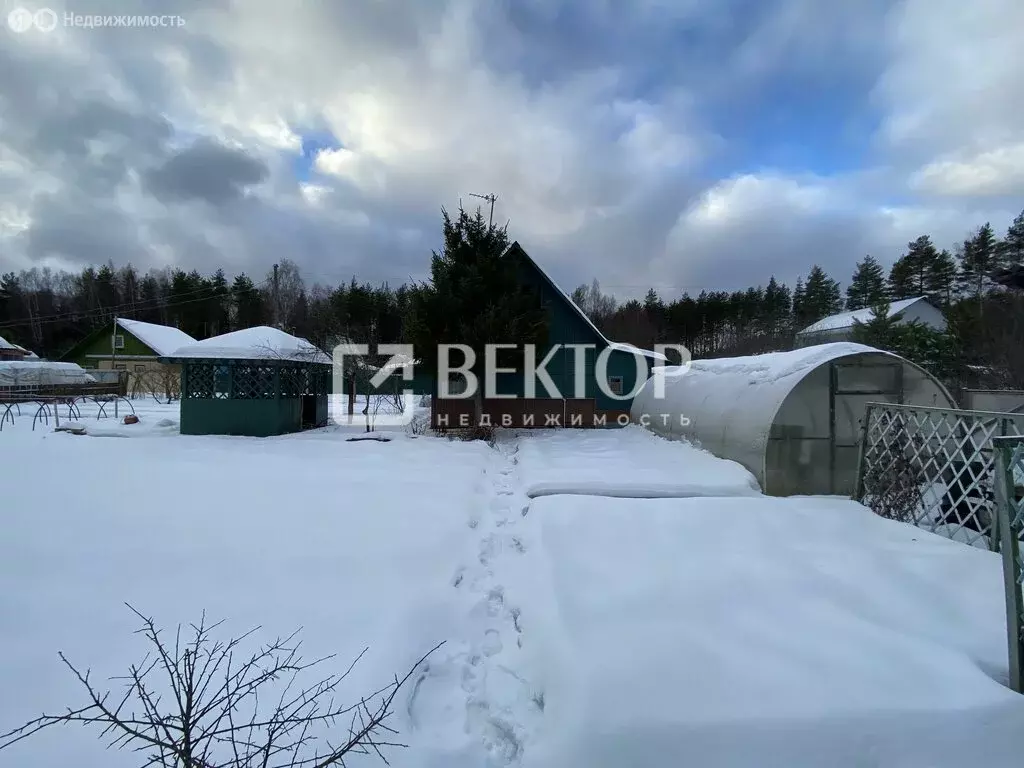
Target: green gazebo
257	382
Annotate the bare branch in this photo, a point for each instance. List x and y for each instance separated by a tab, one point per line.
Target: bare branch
215	715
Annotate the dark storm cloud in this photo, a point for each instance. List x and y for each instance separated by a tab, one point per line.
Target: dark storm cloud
206	171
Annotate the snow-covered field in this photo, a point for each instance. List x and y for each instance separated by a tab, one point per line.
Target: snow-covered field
724	629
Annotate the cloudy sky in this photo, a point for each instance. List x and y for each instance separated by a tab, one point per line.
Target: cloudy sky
680	144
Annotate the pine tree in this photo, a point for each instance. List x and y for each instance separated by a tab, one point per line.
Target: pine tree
867	287
476	296
821	296
940	281
250	308
777	307
1011	250
901	280
909	276
978	259
798	304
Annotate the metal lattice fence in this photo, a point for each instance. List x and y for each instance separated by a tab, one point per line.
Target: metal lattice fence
934	467
1009	489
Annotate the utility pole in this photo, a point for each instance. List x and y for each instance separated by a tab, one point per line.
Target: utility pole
491	198
277	301
113	364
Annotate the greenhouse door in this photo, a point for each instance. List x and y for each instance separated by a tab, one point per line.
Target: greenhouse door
852	387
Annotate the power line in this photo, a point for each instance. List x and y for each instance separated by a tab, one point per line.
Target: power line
105	311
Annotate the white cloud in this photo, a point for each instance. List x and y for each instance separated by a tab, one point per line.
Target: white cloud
602	170
997	172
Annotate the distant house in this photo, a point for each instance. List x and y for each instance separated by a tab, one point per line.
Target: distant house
9	351
840	327
628	367
136	348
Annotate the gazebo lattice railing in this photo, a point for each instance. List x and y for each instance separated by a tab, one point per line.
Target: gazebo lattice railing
252	380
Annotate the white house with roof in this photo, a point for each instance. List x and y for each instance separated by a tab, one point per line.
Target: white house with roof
840	327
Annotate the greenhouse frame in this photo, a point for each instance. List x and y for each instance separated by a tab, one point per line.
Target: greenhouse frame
794	419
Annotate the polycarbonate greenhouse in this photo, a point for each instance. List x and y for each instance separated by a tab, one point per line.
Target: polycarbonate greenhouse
794	419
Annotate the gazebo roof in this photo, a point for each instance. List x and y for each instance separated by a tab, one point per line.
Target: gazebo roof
260	343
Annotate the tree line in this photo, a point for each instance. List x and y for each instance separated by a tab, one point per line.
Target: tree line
49	311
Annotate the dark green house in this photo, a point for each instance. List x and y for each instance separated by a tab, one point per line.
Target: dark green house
580	402
257	382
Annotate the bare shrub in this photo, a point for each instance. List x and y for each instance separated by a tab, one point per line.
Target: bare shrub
198	702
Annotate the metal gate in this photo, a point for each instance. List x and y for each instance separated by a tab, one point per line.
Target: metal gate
934	467
1010	505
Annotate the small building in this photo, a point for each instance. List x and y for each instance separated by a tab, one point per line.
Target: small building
583	403
794	419
257	382
840	327
136	348
9	351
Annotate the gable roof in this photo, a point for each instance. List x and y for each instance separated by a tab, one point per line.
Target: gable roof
259	343
848	319
515	247
5	344
162	339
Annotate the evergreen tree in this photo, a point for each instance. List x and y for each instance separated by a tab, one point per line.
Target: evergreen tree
475	297
940	282
1011	249
867	286
654	309
777	307
249	303
799	296
978	260
912	272
901	280
821	296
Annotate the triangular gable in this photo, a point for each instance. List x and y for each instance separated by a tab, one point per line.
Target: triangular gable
516	250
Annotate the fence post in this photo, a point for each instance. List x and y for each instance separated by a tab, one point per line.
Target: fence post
858	491
1007	457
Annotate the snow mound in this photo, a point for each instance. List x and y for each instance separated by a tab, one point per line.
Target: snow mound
627	462
814	632
259	343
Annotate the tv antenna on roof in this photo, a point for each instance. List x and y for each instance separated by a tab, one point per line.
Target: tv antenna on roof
489	198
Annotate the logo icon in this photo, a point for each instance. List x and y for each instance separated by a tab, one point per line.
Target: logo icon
45	19
383	405
20	20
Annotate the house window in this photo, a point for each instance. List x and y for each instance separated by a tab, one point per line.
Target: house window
140	369
615	384
120	367
118	341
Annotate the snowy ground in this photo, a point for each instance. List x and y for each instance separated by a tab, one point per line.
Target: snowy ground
726	629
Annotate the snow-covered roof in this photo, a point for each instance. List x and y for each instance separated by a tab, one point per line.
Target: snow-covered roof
162	339
617	345
259	343
5	344
729	405
848	319
33	373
